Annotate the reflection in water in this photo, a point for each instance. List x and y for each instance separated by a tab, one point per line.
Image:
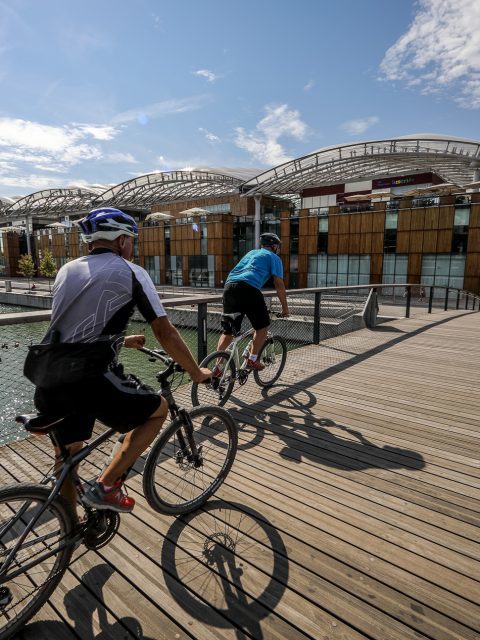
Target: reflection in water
16	392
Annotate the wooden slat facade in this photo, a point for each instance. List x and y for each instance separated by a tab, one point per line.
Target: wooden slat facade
352	509
420	231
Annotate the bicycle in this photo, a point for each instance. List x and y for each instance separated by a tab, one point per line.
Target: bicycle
38	527
232	365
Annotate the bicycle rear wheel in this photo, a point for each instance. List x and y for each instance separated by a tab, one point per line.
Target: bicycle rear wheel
219	390
32	576
175	479
273	355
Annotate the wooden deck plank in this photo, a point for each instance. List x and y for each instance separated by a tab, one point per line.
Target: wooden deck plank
354	505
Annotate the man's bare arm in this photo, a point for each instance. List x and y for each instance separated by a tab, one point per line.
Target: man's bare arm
173	343
281	293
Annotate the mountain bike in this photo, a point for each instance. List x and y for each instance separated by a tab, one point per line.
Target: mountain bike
39	529
231	365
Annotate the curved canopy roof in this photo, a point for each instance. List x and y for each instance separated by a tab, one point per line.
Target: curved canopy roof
51	202
452	159
166	186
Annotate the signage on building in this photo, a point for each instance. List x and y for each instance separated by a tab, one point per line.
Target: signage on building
394	182
401	181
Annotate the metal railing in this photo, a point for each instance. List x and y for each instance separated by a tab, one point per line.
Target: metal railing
316	316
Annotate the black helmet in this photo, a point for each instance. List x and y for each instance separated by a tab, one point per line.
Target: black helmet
269	240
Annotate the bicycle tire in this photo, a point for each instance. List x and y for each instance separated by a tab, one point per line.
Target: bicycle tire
172	483
273	355
215	392
32	588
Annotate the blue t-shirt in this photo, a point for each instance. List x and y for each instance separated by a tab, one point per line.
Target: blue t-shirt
256	267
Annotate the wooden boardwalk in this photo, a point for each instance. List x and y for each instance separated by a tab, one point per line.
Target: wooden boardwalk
351	512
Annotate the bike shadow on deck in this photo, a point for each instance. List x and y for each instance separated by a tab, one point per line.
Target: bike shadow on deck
318	439
308	436
208	556
82	605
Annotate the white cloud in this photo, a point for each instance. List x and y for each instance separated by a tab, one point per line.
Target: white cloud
32	182
46	148
99	132
160	109
166	164
263	143
206	73
360	125
211	137
440	52
310	84
121	157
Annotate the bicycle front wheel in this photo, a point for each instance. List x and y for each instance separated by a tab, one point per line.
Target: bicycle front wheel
41	559
273	356
219	389
187	465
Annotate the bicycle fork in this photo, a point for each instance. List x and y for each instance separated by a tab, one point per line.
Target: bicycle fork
188	446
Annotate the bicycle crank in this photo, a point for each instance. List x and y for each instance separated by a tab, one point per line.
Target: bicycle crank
100	528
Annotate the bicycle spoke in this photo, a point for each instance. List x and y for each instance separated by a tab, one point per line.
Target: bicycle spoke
176	481
39	561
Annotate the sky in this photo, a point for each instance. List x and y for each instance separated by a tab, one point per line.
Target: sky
101	91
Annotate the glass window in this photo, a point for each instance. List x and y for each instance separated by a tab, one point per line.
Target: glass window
176	276
462	217
294	223
152	266
391	220
365	265
342	264
390	241
443	270
322	243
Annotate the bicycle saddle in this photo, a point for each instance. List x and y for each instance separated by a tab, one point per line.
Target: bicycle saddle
40	423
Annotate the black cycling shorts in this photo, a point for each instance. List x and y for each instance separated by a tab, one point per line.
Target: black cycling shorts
240	297
120	402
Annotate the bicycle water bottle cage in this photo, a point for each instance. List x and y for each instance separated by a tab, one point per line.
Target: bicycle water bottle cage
39	424
230	322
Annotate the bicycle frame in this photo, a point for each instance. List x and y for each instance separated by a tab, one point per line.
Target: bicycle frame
69	463
234	350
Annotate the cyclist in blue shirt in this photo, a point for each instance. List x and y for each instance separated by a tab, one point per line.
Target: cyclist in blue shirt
242	294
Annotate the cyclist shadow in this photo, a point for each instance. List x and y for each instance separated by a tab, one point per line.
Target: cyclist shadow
82	609
308	436
227	566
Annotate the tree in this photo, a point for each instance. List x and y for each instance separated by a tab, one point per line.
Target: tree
48	267
26	268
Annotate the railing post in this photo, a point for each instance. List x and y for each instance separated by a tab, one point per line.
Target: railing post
409	299
430	299
458	299
466	301
316	317
447	291
202	331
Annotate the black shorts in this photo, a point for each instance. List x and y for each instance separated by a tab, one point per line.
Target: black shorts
240	297
119	401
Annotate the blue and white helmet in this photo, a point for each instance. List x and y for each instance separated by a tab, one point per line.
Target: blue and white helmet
107	224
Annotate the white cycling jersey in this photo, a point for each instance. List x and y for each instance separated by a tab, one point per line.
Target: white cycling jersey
95	296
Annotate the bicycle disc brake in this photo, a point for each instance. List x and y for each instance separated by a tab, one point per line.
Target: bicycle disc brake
100	528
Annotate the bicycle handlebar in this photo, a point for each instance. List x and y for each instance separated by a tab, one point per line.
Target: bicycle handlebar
172	366
159	354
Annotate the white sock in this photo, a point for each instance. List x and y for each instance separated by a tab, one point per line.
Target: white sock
253	357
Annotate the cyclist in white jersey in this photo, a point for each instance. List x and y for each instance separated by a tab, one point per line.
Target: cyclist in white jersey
93	299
